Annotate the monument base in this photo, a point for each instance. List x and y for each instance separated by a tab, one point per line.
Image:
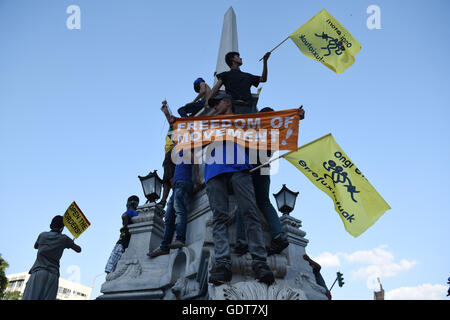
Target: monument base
183	273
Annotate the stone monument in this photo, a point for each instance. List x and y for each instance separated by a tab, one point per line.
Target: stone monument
183	274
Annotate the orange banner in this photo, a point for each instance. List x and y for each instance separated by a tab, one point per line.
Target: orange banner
277	130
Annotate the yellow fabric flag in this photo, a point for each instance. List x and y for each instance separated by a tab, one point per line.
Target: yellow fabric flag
169	144
324	39
327	166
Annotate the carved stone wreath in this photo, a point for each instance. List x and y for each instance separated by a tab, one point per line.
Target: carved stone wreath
132	268
253	290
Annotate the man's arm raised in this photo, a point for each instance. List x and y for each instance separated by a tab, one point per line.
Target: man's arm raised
301	113
265	72
170	119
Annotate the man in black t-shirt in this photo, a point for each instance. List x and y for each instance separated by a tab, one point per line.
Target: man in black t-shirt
238	83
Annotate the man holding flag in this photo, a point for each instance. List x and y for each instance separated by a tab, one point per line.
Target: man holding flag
44	279
230	171
238	83
220	176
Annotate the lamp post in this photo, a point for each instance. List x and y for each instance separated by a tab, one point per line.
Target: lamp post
151	185
285	200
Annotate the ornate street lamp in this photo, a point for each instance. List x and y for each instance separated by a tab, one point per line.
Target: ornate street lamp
151	184
285	200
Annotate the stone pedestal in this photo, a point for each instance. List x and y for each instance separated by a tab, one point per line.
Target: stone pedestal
183	273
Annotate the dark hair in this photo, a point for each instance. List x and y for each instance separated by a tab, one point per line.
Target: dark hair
197	84
133	201
229	57
266	109
57	223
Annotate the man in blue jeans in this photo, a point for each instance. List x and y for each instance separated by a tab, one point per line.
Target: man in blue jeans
261	183
220	176
175	220
279	242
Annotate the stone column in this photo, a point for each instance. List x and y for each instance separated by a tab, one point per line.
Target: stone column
300	274
134	277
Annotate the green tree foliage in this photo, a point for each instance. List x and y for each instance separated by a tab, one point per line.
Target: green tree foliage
3	279
12	295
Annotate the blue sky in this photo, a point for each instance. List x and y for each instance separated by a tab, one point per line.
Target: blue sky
80	120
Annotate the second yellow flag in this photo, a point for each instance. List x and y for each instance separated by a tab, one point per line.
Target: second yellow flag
327	166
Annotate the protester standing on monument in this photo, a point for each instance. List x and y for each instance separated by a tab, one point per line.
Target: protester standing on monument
191	108
124	239
238	83
261	184
44	279
175	220
168	165
219	177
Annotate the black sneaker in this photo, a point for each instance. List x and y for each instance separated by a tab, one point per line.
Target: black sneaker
263	273
278	244
158	252
161	204
176	245
241	249
219	275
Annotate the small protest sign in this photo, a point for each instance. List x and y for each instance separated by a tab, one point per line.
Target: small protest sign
75	221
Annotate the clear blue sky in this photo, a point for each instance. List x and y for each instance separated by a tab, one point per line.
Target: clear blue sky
80	120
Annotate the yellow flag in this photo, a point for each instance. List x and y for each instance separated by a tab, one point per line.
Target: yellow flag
75	220
324	39
169	144
327	166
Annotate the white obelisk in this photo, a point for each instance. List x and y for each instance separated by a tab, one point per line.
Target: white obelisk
228	41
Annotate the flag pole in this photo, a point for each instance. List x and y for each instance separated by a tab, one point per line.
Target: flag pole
277	46
256	168
271	160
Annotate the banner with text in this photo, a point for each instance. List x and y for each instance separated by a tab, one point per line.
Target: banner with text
277	130
328	167
75	220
